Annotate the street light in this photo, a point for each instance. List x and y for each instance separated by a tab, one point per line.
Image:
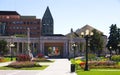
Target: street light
74	48
110	52
73	65
11	45
86	35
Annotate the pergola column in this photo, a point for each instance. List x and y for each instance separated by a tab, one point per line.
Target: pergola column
17	48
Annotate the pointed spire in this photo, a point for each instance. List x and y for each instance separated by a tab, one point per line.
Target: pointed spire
47	14
47	23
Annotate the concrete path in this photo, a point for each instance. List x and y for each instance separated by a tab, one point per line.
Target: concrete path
5	63
59	67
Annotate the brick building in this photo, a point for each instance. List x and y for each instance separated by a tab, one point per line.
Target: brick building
12	23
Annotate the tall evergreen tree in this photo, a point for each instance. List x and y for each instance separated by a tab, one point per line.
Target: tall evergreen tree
96	43
118	40
112	39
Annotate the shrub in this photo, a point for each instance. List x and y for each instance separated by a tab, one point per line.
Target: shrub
2	59
79	62
115	58
23	64
23	57
40	55
100	64
82	63
91	56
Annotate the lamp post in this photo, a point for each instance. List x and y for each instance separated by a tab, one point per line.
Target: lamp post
86	35
110	52
11	45
73	65
74	48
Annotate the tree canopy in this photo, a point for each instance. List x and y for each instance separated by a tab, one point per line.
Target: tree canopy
3	47
114	39
96	42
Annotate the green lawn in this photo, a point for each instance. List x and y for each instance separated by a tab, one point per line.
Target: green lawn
98	72
9	59
30	68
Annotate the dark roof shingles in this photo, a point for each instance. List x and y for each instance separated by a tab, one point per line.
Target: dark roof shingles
8	13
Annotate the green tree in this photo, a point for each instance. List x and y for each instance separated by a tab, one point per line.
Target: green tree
3	47
96	43
112	39
118	40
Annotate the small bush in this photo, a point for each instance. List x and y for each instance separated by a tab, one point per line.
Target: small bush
23	57
2	59
91	56
115	58
40	55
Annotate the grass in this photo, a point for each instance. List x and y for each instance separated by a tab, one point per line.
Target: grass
98	72
30	68
7	59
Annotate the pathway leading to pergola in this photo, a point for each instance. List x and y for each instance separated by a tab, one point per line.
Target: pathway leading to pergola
59	67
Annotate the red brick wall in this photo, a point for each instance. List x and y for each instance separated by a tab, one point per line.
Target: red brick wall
21	28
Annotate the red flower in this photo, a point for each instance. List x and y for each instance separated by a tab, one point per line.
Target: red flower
23	57
82	63
40	55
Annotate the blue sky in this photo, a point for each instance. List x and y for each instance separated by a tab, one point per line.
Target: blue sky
68	14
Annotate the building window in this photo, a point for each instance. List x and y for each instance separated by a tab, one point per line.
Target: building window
17	27
24	22
34	22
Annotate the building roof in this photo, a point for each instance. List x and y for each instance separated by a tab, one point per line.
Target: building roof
83	29
28	17
8	13
47	14
87	27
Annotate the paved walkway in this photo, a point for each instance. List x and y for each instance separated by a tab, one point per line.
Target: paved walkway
59	67
5	63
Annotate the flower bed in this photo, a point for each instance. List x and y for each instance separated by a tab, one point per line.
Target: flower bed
2	59
40	55
24	64
102	65
23	57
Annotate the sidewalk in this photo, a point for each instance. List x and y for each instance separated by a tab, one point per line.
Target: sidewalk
4	63
59	67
